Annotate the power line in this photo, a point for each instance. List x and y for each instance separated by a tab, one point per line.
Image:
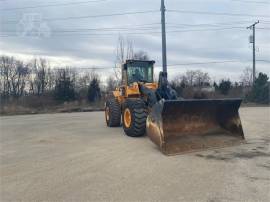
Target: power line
267	61
141	27
111	29
215	13
90	30
94	30
215	24
265	21
129	33
172	65
124	31
105	15
52	5
210	62
92	68
147	26
176	31
253	2
143	12
179	64
91	16
101	67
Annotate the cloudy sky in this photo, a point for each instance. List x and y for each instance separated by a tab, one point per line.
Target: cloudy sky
85	33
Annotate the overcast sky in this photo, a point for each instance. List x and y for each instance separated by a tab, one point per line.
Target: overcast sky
78	34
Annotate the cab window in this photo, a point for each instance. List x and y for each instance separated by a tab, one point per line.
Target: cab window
140	72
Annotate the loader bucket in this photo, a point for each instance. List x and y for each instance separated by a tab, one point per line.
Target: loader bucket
181	126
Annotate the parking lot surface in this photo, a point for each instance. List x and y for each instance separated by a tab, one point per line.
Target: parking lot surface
75	157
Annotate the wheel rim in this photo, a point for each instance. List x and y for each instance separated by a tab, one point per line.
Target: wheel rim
127	118
107	113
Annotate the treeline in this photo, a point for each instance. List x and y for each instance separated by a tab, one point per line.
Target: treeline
36	78
198	85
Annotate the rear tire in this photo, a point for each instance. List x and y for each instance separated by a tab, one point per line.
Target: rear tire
112	113
134	116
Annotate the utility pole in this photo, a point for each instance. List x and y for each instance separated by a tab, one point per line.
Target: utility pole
253	27
163	26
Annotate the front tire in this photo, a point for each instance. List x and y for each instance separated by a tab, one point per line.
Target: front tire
112	113
134	116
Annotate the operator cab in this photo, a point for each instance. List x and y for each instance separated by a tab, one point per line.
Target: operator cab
138	71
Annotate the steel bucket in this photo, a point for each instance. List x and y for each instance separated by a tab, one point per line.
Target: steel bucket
191	125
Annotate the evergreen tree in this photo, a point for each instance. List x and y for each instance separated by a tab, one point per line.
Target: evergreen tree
94	92
225	86
65	87
260	90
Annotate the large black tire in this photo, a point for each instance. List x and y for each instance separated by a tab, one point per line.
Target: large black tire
112	112
138	112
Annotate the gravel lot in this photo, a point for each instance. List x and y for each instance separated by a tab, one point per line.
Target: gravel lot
75	157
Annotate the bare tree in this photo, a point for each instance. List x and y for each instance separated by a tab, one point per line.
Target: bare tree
83	80
5	65
180	80
190	77
141	55
246	77
41	76
40	79
202	78
50	79
22	73
14	75
124	51
130	51
111	83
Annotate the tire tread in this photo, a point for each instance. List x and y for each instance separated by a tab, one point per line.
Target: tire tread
139	115
114	112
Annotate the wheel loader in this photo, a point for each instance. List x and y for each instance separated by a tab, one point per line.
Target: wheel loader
174	124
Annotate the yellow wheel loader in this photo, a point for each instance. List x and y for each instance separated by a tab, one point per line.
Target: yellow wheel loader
174	124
